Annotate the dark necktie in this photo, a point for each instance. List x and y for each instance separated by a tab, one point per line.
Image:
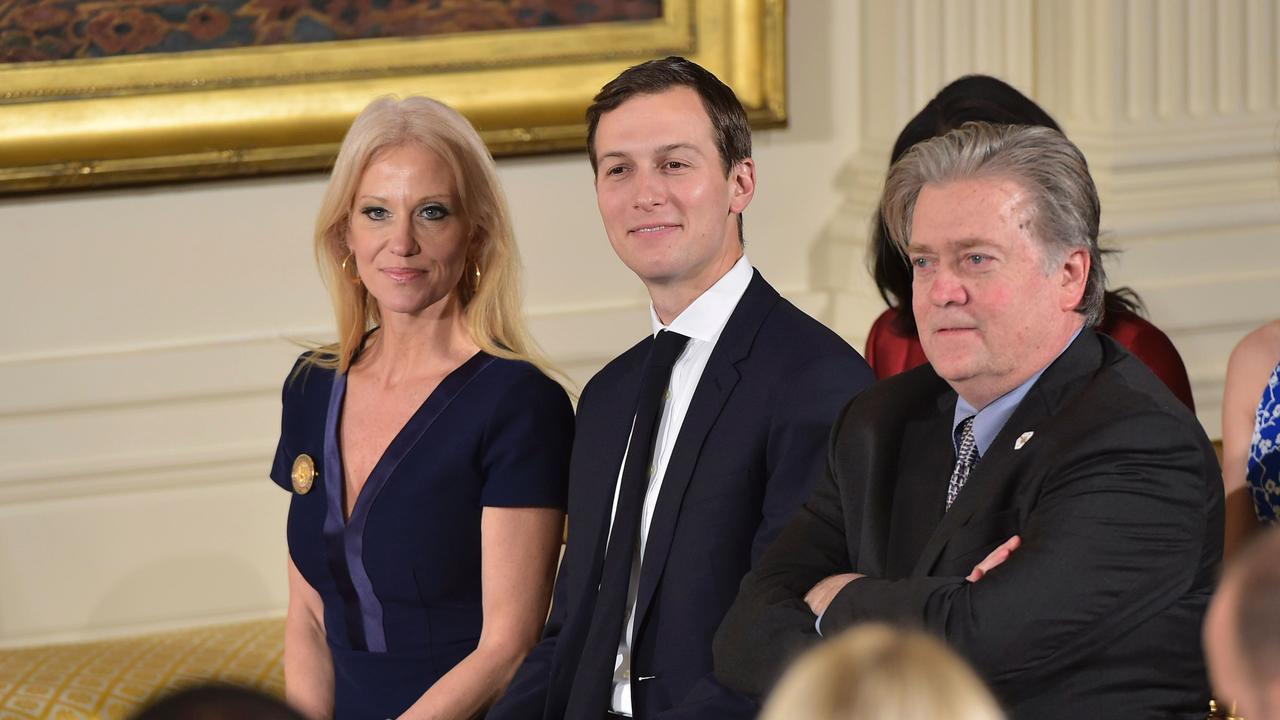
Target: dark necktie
966	458
593	681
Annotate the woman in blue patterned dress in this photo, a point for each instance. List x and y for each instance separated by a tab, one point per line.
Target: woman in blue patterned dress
426	451
1251	435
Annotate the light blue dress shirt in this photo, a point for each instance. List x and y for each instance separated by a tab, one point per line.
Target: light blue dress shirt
990	420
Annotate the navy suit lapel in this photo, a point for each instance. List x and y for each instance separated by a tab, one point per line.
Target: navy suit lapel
713	390
610	434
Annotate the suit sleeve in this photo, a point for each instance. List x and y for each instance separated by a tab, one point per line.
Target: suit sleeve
804	411
769	624
1116	535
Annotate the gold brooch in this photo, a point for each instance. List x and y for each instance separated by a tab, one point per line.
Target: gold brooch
304	474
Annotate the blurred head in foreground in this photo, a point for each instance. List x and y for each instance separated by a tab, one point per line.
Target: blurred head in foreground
217	701
876	671
1242	632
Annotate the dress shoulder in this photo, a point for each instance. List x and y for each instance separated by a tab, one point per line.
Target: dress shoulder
304	398
527	439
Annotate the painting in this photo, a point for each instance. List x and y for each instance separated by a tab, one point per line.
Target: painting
39	30
98	93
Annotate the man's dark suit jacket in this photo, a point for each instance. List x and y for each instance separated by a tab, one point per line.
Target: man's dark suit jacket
747	453
1117	497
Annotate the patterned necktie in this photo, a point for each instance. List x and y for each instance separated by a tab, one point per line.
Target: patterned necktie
589	696
966	458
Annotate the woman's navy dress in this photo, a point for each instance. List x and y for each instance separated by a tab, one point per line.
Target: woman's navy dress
400	579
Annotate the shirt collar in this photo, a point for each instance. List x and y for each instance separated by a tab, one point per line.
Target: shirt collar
990	420
706	316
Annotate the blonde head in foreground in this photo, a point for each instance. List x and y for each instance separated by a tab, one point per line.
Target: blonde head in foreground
873	672
489	288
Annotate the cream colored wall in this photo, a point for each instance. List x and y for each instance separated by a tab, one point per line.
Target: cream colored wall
145	345
145	330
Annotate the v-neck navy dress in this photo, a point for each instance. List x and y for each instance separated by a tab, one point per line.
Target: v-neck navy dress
400	579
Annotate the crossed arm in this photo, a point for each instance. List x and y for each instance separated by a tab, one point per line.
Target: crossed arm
1113	535
821	595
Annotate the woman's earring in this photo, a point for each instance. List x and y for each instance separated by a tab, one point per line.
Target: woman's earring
353	274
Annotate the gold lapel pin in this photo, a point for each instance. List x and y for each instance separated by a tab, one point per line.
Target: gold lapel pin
304	474
1023	439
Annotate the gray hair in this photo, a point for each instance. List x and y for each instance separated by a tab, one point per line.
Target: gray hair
1065	210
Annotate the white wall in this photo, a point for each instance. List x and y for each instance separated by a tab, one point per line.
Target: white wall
145	346
145	330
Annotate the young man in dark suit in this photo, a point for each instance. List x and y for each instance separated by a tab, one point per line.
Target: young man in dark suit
693	446
1035	495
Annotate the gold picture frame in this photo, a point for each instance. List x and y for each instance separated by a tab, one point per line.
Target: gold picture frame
252	111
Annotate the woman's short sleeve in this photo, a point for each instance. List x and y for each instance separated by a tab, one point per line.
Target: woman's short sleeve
282	466
527	443
297	398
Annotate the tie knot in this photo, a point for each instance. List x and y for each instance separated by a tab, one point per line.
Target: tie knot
965	442
666	348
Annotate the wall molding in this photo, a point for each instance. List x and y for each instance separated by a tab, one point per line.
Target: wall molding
127	630
106	387
78	478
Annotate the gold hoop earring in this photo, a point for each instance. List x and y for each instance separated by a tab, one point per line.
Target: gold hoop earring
353	274
476	276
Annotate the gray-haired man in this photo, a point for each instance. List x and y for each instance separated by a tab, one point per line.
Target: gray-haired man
1035	495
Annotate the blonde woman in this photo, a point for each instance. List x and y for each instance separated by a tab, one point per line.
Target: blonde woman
876	672
426	451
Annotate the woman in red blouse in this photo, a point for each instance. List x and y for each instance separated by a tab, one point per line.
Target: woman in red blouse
892	344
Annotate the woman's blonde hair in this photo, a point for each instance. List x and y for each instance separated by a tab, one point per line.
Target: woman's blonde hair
876	671
491	302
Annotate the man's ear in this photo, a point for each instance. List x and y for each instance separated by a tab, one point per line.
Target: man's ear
742	183
1074	272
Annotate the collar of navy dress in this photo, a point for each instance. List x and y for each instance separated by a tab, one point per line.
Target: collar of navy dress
344	540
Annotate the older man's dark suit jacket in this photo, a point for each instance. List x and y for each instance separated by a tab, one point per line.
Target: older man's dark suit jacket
747	452
1117	497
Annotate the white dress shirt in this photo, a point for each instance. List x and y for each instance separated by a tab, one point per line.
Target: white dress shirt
702	323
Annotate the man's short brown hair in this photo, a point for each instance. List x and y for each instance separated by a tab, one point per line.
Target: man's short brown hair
728	118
